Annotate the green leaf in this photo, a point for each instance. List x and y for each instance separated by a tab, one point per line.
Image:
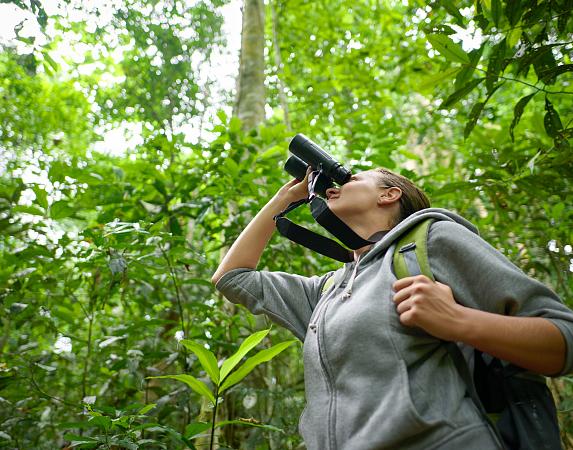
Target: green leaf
545	65
249	423
272	152
232	167
247	345
518	111
102	422
160	186
252	362
466	72
84	441
146	408
552	121
513	37
41	197
61	209
473	118
222	115
200	281
34	210
513	11
195	428
460	93
448	48
546	75
496	11
53	64
434	80
198	386
206	358
496	64
453	10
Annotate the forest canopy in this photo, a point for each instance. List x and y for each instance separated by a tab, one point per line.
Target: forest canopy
129	163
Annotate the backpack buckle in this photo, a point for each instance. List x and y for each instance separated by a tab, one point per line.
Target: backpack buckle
408	247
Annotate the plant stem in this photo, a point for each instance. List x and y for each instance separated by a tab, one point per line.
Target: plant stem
214	417
88	356
177	294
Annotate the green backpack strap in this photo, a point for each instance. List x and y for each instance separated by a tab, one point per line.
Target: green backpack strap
327	284
411	252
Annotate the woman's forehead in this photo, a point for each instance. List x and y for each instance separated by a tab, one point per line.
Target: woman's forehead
365	174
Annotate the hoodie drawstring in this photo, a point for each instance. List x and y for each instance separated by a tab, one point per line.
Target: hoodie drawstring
348	291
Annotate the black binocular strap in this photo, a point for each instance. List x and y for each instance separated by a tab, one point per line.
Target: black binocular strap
313	241
331	223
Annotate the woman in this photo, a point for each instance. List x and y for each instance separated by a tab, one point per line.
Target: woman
377	373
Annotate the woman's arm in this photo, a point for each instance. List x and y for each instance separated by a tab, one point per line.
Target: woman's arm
533	343
248	248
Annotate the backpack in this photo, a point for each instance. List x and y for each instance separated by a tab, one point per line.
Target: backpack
517	404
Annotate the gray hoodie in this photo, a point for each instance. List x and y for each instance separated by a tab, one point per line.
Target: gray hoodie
372	383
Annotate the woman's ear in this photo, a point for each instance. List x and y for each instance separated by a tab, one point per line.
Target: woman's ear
389	196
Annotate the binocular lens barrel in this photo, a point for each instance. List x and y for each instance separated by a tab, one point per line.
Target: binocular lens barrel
308	151
316	157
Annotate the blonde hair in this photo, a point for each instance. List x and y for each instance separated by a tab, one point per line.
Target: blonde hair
413	198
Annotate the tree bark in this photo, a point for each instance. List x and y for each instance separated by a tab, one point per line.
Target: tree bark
250	104
279	65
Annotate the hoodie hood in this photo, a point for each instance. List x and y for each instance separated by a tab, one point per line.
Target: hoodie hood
411	221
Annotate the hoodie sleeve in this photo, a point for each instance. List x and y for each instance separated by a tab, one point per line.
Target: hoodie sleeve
285	298
482	278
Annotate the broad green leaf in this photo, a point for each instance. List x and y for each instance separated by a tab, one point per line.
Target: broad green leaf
222	115
247	345
552	121
449	6
252	362
198	386
206	358
103	422
435	80
518	112
53	64
473	118
273	151
199	281
460	93
34	210
232	167
513	37
496	64
77	440
548	74
195	428
496	11
61	209
467	72
41	197
160	186
448	48
146	408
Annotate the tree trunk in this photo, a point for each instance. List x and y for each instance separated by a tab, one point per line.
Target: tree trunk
250	104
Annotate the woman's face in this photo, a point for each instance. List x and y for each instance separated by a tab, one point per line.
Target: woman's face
355	197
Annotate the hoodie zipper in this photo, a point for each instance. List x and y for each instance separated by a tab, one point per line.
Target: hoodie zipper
321	316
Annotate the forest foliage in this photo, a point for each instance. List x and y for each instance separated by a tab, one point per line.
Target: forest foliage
105	258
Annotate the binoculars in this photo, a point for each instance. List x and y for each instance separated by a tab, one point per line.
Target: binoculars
307	153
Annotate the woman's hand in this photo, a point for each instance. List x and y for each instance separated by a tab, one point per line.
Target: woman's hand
295	190
429	305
